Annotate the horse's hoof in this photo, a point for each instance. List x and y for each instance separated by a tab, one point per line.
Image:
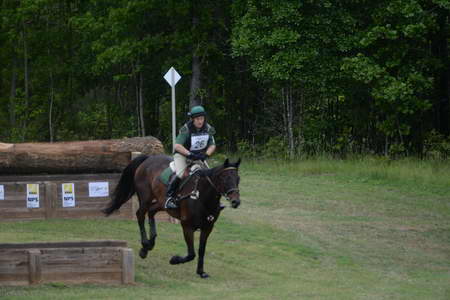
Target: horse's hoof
175	260
143	253
203	275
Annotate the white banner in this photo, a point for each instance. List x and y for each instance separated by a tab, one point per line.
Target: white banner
68	195
98	189
32	195
2	192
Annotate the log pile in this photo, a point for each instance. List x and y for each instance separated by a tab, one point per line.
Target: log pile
98	156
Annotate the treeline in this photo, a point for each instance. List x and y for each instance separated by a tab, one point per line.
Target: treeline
282	78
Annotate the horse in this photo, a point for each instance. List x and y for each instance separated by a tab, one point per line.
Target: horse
199	211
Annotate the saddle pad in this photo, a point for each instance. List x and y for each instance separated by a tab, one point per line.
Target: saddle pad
170	171
165	175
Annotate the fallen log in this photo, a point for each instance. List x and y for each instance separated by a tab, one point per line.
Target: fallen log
97	156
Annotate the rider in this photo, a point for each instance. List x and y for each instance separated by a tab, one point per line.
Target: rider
195	141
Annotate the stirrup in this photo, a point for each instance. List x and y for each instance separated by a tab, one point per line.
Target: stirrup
170	203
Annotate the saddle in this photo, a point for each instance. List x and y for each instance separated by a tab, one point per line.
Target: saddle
191	170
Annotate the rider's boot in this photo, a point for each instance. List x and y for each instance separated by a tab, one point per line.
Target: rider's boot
171	191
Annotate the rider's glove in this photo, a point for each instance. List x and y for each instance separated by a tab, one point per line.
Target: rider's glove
203	156
194	156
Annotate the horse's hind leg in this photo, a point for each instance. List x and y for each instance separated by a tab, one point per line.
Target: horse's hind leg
189	239
153	233
140	214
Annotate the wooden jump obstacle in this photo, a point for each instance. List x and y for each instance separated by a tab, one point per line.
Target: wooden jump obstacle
14	206
14	191
108	262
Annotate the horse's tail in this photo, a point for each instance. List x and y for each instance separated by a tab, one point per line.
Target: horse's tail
125	188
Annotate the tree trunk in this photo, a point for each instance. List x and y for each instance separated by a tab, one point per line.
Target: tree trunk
300	114
52	94
289	118
196	67
25	65
100	156
195	82
26	82
50	111
444	85
12	97
141	104
138	114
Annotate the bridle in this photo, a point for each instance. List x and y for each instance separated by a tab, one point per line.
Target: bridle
224	194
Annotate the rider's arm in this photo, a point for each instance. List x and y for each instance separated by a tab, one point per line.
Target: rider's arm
211	145
181	149
211	150
180	141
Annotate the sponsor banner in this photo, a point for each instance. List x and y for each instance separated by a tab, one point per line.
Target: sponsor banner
68	195
98	189
32	195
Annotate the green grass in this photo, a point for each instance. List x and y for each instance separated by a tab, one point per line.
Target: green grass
313	229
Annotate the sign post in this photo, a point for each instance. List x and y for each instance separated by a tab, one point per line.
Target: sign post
172	78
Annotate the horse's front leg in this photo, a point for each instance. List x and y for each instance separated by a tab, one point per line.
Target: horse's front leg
201	251
189	239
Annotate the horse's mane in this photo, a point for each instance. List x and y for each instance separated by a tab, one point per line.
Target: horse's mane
214	171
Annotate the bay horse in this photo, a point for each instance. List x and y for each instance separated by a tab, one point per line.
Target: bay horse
141	176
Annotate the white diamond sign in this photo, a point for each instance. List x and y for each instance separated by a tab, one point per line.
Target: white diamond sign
172	77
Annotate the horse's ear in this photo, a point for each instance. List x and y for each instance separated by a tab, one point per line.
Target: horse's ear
238	162
226	163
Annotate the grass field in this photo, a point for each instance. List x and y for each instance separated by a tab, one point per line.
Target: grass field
315	229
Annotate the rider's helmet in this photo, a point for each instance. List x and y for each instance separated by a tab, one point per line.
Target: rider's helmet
197	111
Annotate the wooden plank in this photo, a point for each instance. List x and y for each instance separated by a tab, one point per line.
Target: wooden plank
34	264
14	279
26	214
13	261
87	259
57	177
83	277
79	244
50	199
85	204
127	266
9	204
89	213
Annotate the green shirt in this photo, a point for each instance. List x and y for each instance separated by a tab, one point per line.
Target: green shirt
189	134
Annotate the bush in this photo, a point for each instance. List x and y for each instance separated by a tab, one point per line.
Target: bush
245	149
436	146
275	147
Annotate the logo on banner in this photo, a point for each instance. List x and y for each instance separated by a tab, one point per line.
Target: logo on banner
68	195
2	192
32	195
98	189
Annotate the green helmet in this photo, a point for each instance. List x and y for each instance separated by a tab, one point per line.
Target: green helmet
197	111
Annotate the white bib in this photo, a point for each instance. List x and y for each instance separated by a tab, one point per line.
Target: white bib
199	142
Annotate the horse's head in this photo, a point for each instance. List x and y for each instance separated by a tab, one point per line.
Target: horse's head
228	182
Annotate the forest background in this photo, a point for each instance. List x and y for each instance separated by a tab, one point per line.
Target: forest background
278	78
